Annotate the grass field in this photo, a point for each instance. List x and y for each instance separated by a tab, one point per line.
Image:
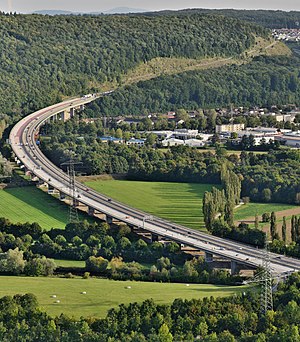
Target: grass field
103	294
29	204
69	263
251	209
178	202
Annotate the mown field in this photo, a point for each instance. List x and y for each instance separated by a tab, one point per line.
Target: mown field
178	202
103	294
29	204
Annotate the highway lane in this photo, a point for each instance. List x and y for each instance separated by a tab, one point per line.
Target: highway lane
25	147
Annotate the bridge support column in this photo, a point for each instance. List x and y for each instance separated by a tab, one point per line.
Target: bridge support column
209	257
72	112
91	211
233	267
62	196
154	237
40	182
109	219
76	202
50	189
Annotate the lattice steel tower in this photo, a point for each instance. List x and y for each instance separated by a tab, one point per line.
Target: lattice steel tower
73	214
266	299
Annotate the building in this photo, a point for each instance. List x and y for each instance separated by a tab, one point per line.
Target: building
111	139
136	142
189	142
229	128
172	142
184	134
291	139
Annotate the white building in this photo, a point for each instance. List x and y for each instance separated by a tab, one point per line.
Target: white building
291	139
137	142
172	142
229	128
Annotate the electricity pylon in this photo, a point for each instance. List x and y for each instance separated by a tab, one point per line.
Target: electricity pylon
266	298
73	213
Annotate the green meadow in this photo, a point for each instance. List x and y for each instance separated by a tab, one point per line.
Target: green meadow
177	202
103	294
30	204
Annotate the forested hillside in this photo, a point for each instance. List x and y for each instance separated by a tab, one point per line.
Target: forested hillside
264	81
266	18
43	58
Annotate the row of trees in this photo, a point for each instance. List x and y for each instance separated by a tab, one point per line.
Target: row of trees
110	251
219	204
13	262
232	319
192	271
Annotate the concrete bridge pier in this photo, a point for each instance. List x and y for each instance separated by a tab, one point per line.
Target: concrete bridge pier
209	257
91	211
154	237
50	189
233	267
109	219
62	196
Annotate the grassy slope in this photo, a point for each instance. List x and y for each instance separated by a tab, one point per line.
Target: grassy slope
29	204
103	294
170	66
178	202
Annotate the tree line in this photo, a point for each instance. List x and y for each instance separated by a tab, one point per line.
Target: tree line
109	251
267	18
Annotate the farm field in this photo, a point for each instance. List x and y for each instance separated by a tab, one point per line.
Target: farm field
251	209
103	294
177	202
29	204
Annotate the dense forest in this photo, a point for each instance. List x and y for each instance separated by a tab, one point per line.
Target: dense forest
265	81
43	58
267	18
236	318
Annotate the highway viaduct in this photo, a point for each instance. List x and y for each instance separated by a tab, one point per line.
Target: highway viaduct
27	152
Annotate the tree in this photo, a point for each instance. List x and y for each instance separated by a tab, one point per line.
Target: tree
273	229
283	229
96	264
13	262
40	266
164	334
267	195
256	224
